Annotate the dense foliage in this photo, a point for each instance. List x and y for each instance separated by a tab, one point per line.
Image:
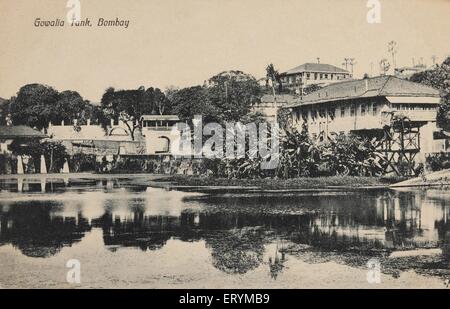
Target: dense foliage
302	156
438	78
228	96
55	153
439	161
36	105
128	106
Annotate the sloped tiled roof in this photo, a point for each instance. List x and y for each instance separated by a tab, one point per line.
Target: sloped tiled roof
7	132
370	87
315	67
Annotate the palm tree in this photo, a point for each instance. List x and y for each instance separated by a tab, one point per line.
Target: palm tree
274	76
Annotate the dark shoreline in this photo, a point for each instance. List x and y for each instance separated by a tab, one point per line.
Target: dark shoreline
337	183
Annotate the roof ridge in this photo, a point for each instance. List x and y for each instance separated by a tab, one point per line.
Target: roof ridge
385	83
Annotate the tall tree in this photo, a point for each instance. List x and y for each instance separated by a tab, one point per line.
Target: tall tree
274	76
233	93
158	101
191	101
438	78
70	105
126	106
34	105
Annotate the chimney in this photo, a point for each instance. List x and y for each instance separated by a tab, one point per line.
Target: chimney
366	82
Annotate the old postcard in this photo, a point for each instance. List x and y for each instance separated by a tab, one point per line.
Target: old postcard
224	144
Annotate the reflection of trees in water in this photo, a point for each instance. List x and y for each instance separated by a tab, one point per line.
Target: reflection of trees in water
36	233
144	232
235	227
236	251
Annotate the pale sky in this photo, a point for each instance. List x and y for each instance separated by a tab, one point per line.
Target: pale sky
184	42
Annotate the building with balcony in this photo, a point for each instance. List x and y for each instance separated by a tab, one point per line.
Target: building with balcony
157	131
368	105
151	138
313	73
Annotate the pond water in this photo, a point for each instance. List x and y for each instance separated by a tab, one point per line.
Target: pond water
128	235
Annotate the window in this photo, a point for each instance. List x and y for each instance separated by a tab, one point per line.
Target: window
342	111
363	109
352	110
332	76
326	76
315	75
374	109
307	76
321	76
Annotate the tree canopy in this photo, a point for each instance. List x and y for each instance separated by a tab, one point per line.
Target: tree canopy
128	106
438	78
36	105
228	96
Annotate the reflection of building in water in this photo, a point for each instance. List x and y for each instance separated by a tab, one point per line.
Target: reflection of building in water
235	228
37	233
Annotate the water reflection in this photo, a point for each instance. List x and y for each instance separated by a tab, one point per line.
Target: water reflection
239	230
36	231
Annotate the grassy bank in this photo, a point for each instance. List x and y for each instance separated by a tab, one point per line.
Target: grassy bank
294	183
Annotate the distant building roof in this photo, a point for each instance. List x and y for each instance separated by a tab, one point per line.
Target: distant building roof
315	67
160	117
370	87
10	132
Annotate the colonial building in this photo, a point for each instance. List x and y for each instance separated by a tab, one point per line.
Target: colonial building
152	138
23	134
157	131
312	73
368	105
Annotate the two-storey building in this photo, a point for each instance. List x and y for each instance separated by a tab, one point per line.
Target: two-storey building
369	104
312	73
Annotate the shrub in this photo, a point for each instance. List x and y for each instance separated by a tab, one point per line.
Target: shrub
439	161
82	162
54	152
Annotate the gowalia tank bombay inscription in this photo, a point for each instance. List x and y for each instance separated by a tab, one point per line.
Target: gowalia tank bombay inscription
86	22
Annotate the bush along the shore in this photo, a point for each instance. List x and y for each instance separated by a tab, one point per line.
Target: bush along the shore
304	156
54	152
438	161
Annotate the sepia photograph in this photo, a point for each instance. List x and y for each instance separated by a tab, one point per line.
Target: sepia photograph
224	144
